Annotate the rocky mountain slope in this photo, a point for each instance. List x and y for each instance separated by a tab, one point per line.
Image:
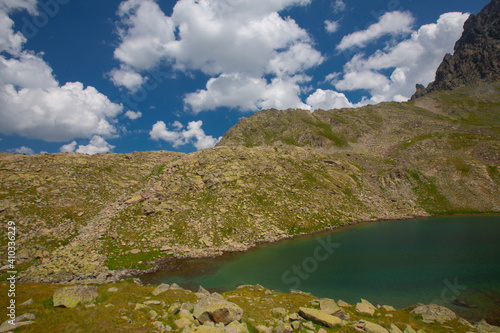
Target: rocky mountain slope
273	176
476	56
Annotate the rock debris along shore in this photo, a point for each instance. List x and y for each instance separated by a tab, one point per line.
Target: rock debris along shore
126	306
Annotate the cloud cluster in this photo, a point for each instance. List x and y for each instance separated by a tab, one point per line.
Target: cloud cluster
179	136
23	150
97	145
32	102
338	6
331	26
328	99
244	43
413	60
394	23
133	115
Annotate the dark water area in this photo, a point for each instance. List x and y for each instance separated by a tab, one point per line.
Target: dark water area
399	263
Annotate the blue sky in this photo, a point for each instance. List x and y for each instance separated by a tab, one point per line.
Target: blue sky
97	76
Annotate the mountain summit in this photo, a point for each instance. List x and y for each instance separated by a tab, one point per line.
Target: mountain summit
476	55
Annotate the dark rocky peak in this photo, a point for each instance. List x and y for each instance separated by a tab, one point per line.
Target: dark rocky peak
476	55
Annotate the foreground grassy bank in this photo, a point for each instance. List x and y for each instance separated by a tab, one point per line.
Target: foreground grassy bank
128	307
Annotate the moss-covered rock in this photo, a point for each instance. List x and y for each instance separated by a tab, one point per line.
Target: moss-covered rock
70	297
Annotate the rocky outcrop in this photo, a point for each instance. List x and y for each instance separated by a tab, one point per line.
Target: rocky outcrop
70	297
476	56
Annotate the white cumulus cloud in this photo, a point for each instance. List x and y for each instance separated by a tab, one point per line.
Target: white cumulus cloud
127	78
69	148
331	26
394	23
178	136
23	150
133	115
338	6
328	99
97	145
412	60
223	39
32	102
247	93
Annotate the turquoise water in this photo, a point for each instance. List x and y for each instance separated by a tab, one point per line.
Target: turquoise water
400	263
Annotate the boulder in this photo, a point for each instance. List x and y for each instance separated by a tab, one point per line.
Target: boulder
319	317
140	306
28	302
282	327
182	322
160	289
388	308
236	327
329	306
264	329
209	329
409	329
484	327
175	286
174	308
433	312
296	325
203	291
279	312
7	327
343	304
370	327
70	297
394	329
215	308
365	307
134	200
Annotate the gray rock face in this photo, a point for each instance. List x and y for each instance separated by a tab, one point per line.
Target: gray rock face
476	56
70	297
215	308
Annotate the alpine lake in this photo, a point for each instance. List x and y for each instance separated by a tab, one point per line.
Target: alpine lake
450	261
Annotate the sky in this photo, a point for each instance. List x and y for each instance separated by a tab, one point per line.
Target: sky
93	76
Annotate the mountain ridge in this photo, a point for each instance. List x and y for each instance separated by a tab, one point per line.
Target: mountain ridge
476	56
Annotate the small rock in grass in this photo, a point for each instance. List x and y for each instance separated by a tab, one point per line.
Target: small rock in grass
28	302
160	289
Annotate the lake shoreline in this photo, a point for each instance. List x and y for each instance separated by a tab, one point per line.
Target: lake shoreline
171	263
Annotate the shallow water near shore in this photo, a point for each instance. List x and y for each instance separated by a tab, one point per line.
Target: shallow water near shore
400	263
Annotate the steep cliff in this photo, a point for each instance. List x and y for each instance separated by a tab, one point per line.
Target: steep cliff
476	56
